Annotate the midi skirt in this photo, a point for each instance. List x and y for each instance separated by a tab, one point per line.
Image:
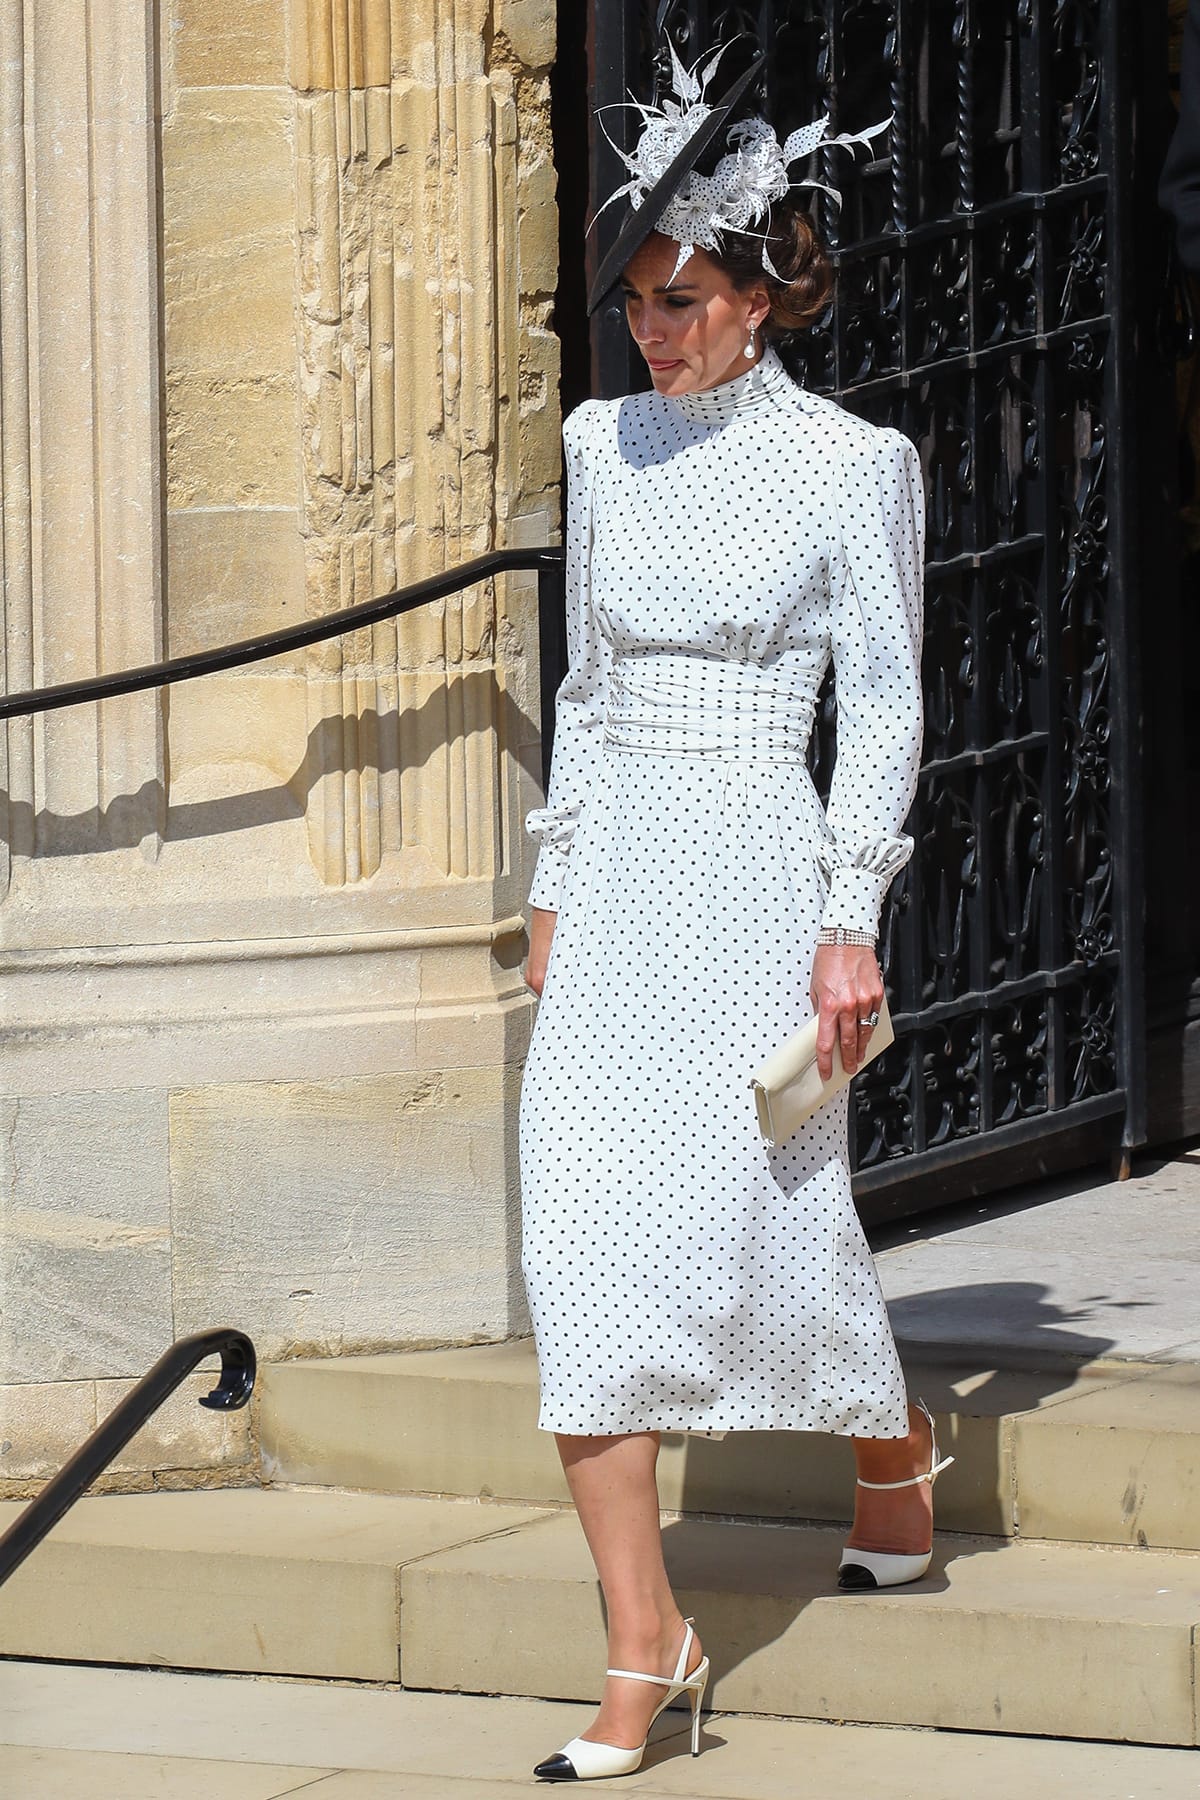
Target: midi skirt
682	1276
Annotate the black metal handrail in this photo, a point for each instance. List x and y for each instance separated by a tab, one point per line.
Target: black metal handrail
547	560
238	1368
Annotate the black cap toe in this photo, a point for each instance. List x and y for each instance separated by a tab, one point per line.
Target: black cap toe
556	1768
853	1578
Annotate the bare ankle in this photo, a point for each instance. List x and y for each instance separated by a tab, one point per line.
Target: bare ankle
652	1629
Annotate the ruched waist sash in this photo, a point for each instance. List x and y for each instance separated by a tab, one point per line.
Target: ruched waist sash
702	705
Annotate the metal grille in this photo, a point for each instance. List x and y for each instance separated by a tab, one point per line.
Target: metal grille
981	307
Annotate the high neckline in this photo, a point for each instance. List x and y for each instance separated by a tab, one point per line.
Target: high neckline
766	383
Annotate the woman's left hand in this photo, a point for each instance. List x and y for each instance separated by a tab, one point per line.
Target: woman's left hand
846	987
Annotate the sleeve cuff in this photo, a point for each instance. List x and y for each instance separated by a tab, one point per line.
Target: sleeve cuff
856	898
548	874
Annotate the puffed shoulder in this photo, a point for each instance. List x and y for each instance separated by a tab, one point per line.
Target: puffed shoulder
580	428
878	459
858	437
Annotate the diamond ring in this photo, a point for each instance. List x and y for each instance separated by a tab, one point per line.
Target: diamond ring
872	1021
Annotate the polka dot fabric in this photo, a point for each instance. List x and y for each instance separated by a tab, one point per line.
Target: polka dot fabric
722	547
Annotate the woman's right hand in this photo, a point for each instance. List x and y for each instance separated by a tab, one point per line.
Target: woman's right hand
541	931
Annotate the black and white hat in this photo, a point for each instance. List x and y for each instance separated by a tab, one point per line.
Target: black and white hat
668	193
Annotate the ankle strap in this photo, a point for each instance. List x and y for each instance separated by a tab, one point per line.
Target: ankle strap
636	1675
881	1487
664	1680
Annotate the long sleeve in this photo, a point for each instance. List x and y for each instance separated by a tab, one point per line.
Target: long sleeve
580	702
876	630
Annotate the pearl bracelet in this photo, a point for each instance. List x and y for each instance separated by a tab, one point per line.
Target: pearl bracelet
845	934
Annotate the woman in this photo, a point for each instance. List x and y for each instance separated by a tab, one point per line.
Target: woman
727	534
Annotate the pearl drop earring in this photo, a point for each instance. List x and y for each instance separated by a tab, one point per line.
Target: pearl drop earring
749	350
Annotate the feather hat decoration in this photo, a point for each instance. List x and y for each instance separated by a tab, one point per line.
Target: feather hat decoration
667	193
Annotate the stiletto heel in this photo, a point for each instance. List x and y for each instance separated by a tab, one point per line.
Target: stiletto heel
697	1699
862	1570
584	1760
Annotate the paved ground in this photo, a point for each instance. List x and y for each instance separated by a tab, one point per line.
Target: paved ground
1111	1269
106	1734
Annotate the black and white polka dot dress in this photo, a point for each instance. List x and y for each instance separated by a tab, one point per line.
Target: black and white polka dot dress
721	547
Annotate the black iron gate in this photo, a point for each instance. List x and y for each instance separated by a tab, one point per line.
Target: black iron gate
984	305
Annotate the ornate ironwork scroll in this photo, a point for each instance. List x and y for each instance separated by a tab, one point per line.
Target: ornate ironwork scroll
977	308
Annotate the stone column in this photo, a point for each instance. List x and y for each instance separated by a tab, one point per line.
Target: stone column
409	287
80	431
85	1267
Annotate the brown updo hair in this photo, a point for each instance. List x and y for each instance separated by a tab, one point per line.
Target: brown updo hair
803	291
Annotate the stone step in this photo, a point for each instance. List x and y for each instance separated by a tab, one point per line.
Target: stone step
243	1579
1052	1640
1036	1638
1108	1453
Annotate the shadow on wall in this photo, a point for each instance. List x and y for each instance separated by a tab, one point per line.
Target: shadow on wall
381	743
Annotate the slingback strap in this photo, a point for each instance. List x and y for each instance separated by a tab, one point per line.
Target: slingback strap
913	1480
679	1679
884	1487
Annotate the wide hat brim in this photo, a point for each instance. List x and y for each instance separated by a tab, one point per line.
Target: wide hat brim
643	219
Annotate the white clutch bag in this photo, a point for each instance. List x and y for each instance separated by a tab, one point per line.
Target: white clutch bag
788	1088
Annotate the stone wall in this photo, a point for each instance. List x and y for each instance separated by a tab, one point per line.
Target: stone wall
274	336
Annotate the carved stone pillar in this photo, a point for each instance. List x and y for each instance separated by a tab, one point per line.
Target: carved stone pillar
85	1273
80	451
405	145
